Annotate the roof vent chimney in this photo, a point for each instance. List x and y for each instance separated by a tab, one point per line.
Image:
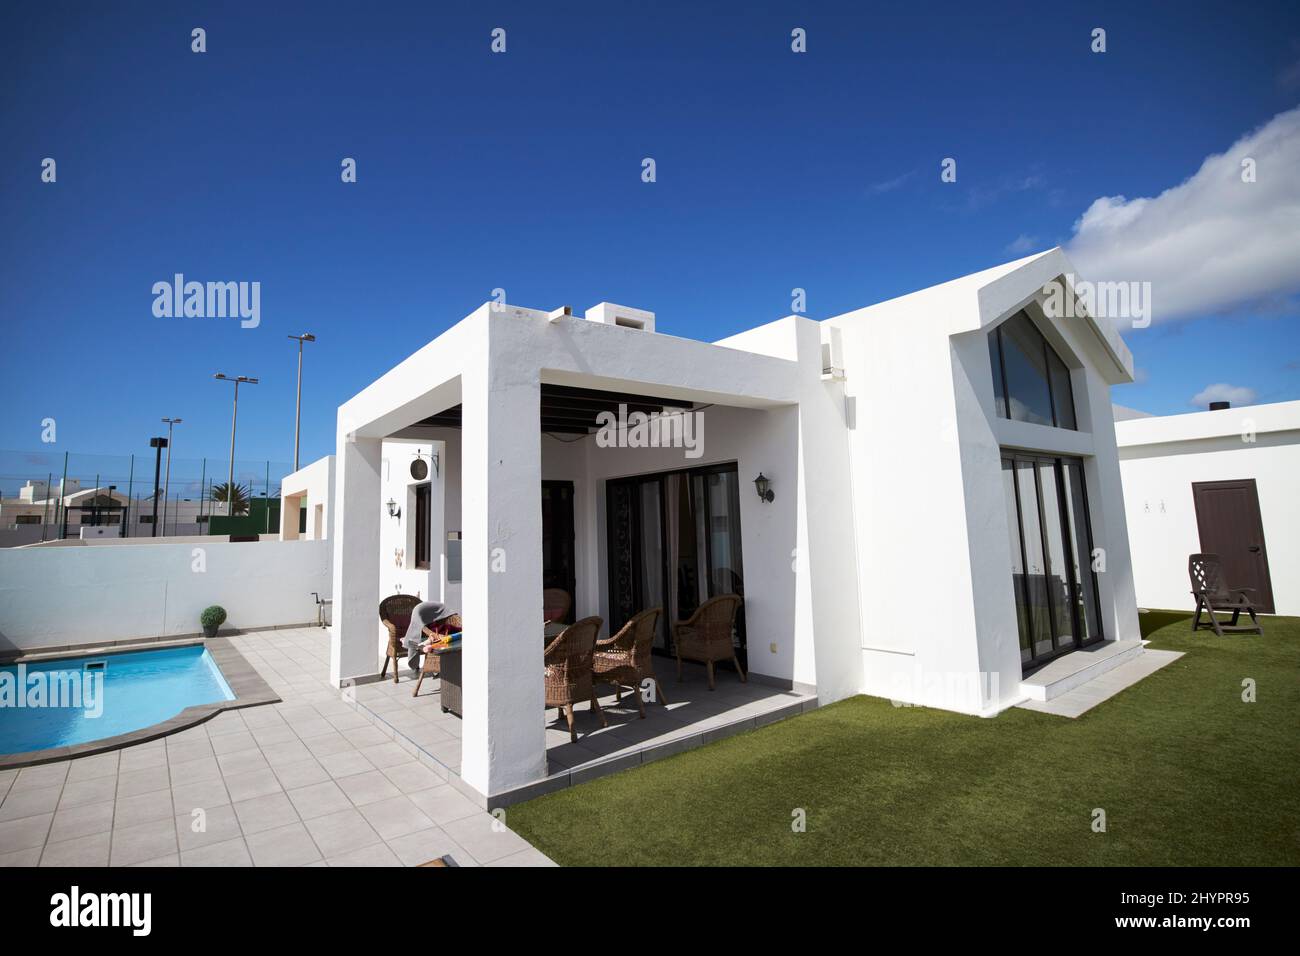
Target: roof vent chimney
1219	406
607	313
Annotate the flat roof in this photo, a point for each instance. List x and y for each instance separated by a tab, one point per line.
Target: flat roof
1159	429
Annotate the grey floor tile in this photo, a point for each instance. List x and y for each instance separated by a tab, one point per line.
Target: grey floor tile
377	854
78	793
91	850
339	833
145	841
29	857
72	822
241	761
485	838
444	804
204	794
346	764
395	817
203	827
412	776
143	808
265	813
255	783
24	832
416	849
193	771
29	803
529	857
319	799
235	742
369	787
301	774
386	755
142	757
289	845
131	783
232	852
287	752
41	776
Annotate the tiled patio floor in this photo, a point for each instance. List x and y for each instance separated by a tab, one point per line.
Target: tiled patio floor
315	780
309	781
694	715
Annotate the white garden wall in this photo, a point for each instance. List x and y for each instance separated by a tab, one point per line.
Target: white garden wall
1160	458
50	597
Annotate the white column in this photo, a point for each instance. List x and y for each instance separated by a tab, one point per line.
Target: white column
503	739
354	634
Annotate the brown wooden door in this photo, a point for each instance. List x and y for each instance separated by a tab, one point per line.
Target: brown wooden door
1227	513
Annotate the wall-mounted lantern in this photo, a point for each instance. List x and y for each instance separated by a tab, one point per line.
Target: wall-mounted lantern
393	510
420	468
764	487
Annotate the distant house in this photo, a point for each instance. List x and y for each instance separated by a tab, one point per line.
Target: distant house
1224	481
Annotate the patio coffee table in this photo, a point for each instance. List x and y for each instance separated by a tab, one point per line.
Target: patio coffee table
449	670
449	675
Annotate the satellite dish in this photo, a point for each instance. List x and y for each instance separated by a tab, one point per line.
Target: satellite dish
419	469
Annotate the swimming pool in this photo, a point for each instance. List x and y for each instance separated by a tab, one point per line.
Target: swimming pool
78	700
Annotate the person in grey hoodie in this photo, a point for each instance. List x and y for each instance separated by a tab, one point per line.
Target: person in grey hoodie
425	614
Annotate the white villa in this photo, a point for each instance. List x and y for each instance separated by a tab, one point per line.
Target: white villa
944	516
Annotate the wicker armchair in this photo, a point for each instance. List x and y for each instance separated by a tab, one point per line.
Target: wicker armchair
706	635
624	659
556	603
568	670
395	613
431	665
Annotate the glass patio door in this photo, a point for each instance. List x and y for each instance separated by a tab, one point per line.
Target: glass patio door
673	540
1051	550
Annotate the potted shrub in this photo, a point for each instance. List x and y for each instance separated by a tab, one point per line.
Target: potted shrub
211	619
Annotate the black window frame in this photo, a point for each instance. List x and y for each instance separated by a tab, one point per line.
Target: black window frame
1069	532
1002	396
423	503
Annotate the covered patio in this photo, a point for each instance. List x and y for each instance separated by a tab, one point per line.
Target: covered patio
440	470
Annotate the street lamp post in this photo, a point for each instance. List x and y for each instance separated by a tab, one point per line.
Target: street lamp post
297	409
157	444
234	416
167	484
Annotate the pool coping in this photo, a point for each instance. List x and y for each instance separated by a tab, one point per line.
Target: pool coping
248	686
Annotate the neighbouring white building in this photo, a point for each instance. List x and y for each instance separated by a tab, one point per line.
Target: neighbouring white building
1225	481
945	509
39	513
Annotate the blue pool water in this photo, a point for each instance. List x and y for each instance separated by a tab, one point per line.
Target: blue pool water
76	700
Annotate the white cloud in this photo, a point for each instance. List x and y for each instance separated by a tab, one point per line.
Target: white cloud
1212	242
1223	392
889	185
1022	244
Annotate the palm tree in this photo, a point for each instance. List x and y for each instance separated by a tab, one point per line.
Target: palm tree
239	498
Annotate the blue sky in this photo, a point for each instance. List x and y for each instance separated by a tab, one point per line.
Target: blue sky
522	171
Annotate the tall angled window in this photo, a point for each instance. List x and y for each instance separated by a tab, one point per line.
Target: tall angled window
1030	382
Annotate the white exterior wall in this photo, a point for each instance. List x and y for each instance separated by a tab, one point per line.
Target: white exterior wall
107	593
397	570
313	487
931	521
1160	458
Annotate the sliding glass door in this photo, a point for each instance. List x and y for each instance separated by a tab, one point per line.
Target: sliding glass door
674	541
1051	554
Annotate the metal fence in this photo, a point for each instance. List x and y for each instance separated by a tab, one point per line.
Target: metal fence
43	494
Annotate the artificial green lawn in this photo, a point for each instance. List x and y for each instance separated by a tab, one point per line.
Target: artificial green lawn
1186	772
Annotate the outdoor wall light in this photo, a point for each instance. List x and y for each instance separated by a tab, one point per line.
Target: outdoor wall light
393	510
764	488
